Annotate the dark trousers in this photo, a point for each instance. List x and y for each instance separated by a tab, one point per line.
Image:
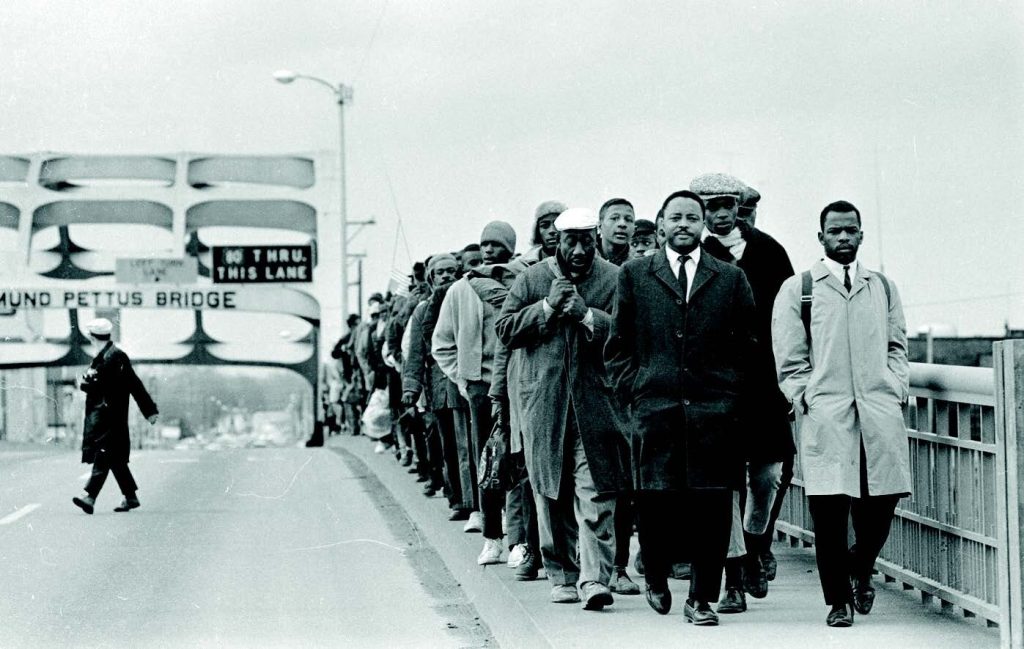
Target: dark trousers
625	515
101	467
520	509
451	468
837	562
704	544
480	424
431	462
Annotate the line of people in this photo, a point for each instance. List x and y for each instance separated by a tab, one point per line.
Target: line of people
631	375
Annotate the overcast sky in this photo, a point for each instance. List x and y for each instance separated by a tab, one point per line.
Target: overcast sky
480	110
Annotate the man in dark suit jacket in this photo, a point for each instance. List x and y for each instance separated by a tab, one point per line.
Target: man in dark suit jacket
679	354
108	383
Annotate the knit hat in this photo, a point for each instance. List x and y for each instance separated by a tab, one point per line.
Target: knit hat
500	232
549	207
437	259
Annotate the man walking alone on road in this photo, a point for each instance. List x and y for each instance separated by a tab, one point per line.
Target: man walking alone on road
106	445
842	362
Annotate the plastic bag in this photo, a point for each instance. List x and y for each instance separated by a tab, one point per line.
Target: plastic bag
377	416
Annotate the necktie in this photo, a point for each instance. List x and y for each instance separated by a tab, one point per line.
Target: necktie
846	278
682	275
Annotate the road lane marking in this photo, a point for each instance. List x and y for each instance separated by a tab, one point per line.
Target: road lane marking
24	511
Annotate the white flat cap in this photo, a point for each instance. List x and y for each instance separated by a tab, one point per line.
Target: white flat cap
99	327
716	185
576	218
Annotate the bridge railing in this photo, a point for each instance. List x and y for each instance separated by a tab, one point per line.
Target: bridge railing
957	539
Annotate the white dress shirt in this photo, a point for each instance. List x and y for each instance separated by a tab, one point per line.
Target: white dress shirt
836	269
691	265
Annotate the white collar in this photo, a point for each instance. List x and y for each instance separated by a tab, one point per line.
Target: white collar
674	257
836	268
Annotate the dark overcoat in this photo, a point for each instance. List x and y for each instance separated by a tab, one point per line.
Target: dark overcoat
562	364
107	384
766	410
682	370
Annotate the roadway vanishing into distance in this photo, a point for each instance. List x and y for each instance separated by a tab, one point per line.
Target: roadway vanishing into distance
273	547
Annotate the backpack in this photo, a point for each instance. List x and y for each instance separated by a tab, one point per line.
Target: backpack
806	286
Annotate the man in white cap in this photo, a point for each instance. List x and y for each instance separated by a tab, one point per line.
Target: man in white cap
106	445
557	316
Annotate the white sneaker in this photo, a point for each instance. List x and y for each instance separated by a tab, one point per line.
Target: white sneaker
491	552
380	448
475	523
515	557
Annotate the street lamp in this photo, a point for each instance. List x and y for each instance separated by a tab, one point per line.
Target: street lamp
342	95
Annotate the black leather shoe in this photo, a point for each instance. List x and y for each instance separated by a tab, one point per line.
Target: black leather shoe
429	490
840	616
863	597
733	602
85	502
128	504
660	599
771	566
681	570
699	613
755	579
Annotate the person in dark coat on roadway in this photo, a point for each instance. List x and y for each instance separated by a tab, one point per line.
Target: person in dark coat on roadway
557	315
108	383
679	355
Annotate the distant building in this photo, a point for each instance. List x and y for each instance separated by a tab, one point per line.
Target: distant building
973	351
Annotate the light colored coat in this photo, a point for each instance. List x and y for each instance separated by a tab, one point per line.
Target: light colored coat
463	341
850	385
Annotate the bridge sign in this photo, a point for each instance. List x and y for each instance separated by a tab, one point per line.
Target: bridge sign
157	270
262	264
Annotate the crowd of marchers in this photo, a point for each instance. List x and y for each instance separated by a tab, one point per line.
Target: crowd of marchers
645	376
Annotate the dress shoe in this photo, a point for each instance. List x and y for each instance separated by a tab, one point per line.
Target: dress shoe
681	570
459	515
621	584
755	580
405	457
491	554
863	595
429	490
770	565
86	502
699	613
840	616
128	504
529	568
733	602
474	524
596	596
660	599
564	594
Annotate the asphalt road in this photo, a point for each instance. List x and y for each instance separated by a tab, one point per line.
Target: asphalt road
242	548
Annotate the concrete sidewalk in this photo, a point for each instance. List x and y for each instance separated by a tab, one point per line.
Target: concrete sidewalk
793	615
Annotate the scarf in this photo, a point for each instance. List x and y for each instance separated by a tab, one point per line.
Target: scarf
734	241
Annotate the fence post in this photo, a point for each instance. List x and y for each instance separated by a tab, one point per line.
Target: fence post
1008	357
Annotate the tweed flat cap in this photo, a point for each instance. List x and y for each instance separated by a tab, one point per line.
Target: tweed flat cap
715	185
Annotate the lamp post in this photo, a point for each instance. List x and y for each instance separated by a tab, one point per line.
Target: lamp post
342	95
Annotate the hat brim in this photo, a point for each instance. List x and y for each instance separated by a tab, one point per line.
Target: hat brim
708	197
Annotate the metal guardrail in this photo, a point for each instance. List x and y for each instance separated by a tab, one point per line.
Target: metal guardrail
957	539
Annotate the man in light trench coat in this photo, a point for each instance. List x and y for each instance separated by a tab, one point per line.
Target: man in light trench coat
848	376
557	315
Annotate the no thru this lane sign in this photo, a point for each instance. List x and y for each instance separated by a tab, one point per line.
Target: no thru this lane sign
262	264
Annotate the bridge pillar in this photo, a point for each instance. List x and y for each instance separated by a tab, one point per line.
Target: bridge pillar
1008	358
